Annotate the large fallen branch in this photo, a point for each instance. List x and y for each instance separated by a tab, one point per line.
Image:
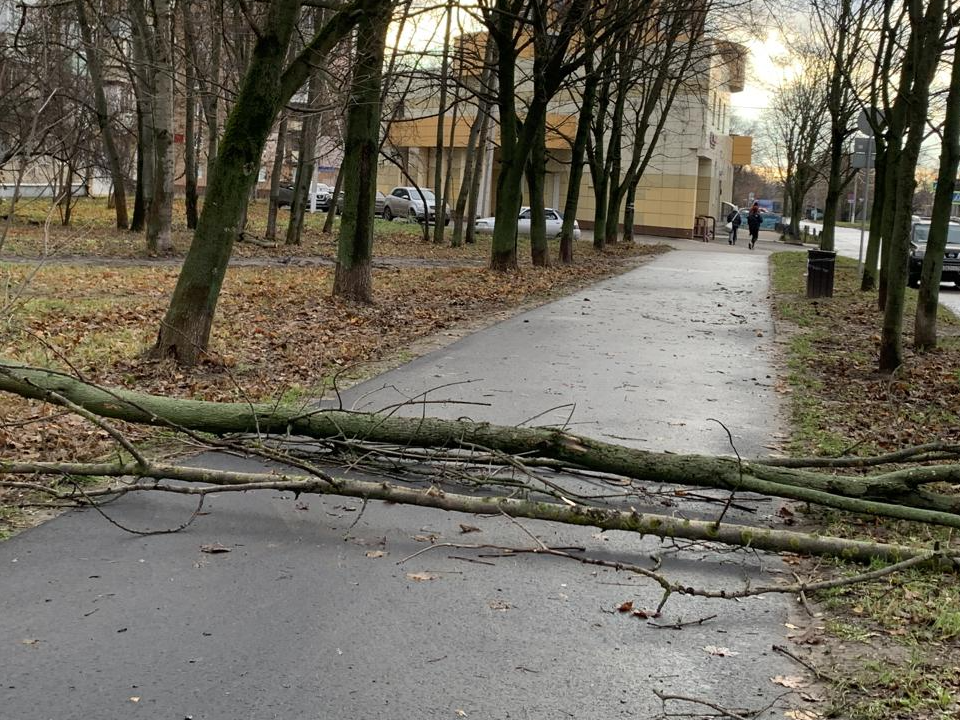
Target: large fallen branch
661	526
897	494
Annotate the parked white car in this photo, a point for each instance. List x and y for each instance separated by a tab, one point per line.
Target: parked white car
484	226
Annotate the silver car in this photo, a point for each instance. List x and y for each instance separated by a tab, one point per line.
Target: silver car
407	202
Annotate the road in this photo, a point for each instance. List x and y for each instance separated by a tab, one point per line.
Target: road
312	615
847	243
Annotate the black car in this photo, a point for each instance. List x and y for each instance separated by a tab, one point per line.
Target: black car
919	233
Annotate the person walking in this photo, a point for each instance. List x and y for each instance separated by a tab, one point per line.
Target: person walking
753	223
734	219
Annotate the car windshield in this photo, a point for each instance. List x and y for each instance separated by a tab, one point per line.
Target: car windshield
921	231
428	194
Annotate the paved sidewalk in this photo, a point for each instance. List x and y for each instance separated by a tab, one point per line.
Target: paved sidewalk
303	620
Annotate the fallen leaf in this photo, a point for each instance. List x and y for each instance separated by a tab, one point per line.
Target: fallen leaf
802	715
468	528
213	548
626	607
789	681
498	605
431	538
461	713
30	641
720	651
375	553
135	699
421	576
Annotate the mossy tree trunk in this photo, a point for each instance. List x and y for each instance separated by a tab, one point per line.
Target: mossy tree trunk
536	173
552	34
578	153
92	56
353	277
927	39
185	331
925	324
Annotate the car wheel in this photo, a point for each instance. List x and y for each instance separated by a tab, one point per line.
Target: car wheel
387	215
412	215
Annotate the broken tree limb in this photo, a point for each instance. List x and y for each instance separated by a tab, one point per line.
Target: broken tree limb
661	526
896	494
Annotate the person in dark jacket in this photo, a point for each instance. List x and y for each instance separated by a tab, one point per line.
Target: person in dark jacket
753	223
734	219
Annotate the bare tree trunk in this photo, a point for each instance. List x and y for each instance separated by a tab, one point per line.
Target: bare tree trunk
185	330
138	218
190	142
306	167
144	85
353	277
103	116
577	159
190	169
629	210
275	175
441	118
925	324
536	172
332	212
463	213
476	177
160	212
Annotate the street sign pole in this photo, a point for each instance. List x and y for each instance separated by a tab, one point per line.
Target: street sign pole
863	212
866	122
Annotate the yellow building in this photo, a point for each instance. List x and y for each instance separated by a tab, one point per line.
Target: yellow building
689	175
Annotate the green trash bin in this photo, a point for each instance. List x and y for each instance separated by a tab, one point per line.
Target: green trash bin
820	268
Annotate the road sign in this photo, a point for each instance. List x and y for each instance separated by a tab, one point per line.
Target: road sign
863	120
864	150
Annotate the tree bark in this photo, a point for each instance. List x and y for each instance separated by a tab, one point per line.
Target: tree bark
117	178
307	162
897	493
190	165
536	172
185	331
353	278
662	526
577	158
334	201
160	210
476	176
927	40
275	175
439	147
925	324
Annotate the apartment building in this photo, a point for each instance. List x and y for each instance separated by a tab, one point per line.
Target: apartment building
690	172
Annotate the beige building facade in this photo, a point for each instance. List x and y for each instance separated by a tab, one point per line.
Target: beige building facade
690	172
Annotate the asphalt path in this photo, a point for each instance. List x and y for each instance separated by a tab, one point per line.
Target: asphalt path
312	615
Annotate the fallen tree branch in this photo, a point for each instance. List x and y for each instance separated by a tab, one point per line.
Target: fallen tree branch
661	526
894	494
